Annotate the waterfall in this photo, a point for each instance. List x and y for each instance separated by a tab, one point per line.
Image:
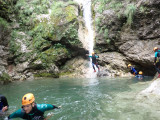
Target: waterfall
87	14
88	32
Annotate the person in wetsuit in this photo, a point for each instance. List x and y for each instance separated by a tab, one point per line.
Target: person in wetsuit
157	60
3	104
94	61
140	76
133	70
30	110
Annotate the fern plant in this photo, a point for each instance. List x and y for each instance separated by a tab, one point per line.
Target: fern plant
129	12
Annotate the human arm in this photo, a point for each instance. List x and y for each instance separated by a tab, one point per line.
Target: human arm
17	114
45	107
96	56
88	55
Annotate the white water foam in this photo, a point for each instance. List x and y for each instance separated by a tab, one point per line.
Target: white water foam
87	15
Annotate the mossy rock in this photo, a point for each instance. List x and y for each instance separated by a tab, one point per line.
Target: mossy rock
45	74
65	73
4	78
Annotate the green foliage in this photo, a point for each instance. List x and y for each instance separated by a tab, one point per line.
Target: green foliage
102	5
28	10
44	74
58	45
142	9
129	12
44	33
101	8
71	3
106	33
62	11
4	29
39	43
13	45
3	23
57	9
116	5
108	41
65	73
108	5
4	77
70	15
52	55
101	1
71	34
6	8
98	21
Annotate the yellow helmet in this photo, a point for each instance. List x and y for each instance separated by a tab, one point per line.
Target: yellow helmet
92	53
140	72
129	65
28	99
155	48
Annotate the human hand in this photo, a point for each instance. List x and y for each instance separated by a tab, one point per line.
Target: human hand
4	108
59	107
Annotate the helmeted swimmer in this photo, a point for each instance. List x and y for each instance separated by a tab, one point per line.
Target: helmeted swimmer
133	70
30	110
94	61
140	76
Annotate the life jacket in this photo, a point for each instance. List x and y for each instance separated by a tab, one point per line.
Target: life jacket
158	56
35	114
94	59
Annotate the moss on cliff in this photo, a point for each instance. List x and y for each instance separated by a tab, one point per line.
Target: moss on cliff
44	74
49	32
4	77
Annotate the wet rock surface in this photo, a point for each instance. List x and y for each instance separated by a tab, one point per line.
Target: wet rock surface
116	42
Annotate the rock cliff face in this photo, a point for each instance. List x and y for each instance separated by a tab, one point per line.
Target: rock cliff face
130	28
4	53
47	40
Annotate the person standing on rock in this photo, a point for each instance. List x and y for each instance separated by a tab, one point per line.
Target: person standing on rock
94	61
157	60
30	110
133	70
3	104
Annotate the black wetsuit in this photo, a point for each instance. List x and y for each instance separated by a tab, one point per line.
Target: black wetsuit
37	112
3	102
94	61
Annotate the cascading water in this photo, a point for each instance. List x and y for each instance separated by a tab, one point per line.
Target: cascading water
89	33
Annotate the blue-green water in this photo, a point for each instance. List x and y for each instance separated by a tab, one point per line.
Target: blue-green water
84	99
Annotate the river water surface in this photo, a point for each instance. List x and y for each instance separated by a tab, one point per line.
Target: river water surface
85	99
